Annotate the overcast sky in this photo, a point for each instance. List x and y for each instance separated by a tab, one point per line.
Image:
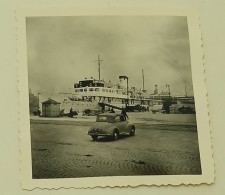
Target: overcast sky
64	50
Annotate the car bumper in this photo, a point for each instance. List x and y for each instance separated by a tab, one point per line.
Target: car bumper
99	134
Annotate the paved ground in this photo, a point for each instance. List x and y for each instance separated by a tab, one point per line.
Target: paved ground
62	149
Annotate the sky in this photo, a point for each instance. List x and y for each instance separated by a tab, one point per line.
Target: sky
63	50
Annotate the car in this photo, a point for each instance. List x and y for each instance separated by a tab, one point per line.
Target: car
91	112
112	125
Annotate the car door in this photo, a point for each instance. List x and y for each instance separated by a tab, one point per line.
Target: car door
119	123
123	124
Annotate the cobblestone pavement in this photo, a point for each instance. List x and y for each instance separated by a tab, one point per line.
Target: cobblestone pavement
62	149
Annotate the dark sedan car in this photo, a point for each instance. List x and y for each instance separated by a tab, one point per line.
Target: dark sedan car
111	125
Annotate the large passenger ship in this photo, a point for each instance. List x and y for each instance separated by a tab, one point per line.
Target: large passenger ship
93	94
88	93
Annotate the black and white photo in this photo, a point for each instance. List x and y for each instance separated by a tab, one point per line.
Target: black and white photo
113	95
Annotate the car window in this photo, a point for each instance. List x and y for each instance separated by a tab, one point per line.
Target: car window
101	119
109	119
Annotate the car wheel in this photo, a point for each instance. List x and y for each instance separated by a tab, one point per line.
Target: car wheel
94	137
115	135
132	131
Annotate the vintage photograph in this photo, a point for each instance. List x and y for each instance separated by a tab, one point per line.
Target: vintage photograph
111	96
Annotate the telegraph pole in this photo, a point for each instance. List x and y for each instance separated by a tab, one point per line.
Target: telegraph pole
185	90
39	100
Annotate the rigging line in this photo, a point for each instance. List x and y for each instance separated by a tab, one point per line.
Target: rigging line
47	91
189	88
179	92
53	92
161	87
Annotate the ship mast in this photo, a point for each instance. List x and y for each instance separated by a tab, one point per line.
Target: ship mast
143	80
185	90
99	67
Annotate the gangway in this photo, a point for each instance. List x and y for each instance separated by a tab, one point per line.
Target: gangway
102	105
128	108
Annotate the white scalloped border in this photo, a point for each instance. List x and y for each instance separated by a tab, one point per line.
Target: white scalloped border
205	144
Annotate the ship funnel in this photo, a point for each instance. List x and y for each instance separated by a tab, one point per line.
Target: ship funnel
156	89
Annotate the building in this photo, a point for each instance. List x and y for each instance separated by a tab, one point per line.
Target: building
50	108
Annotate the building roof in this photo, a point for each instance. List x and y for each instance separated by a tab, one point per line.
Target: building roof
50	101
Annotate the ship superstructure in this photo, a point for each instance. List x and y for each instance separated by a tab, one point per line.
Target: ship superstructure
91	89
89	92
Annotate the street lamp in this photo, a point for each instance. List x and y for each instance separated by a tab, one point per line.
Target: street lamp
39	100
125	77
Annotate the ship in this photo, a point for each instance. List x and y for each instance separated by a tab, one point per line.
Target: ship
91	93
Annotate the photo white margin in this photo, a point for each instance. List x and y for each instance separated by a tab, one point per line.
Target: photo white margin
200	93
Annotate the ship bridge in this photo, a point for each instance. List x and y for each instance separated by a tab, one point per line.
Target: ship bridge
89	83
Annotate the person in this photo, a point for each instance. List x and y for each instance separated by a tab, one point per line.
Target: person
39	111
71	112
112	110
103	107
124	113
